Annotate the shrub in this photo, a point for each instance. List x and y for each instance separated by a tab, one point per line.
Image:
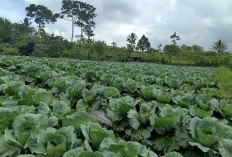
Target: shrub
172	49
40	50
10	51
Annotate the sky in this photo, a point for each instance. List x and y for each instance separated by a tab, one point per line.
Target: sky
200	22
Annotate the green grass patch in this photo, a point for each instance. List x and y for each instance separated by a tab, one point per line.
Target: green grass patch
224	78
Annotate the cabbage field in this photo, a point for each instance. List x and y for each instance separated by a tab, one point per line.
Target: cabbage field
74	108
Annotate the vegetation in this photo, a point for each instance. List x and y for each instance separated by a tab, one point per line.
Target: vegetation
220	46
81	14
42	15
52	104
66	107
131	39
174	38
144	44
224	77
159	47
23	39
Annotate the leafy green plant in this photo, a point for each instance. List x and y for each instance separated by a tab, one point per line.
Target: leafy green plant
52	142
208	132
66	107
94	134
169	119
118	109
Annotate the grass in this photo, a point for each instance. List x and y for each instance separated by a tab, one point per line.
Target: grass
224	78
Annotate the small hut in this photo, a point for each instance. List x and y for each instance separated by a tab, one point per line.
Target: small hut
136	58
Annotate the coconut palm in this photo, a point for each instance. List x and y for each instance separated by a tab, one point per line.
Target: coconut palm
132	40
220	46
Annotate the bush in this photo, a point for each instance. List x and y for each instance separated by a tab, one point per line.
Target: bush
40	50
100	47
10	51
225	60
172	49
55	48
26	44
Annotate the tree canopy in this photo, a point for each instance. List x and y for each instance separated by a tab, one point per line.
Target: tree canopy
41	15
144	44
81	15
220	46
175	38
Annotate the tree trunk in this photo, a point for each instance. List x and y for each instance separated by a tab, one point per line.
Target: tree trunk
81	33
72	24
72	29
39	30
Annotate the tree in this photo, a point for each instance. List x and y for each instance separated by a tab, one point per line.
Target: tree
88	32
23	28
41	14
80	14
26	44
174	38
6	30
194	48
131	39
55	48
159	47
197	48
99	47
220	46
171	49
144	44
26	27
114	44
185	47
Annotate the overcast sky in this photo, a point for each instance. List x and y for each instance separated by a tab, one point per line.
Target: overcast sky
199	22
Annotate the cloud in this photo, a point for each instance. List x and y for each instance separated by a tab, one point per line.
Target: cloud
57	32
13	11
196	21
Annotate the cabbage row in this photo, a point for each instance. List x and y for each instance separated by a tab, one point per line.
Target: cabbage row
64	107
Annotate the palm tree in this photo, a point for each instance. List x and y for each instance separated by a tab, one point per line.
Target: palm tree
131	39
220	46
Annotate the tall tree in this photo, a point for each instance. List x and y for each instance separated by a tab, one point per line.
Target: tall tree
88	32
80	14
41	15
220	46
159	47
174	38
144	43
131	39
